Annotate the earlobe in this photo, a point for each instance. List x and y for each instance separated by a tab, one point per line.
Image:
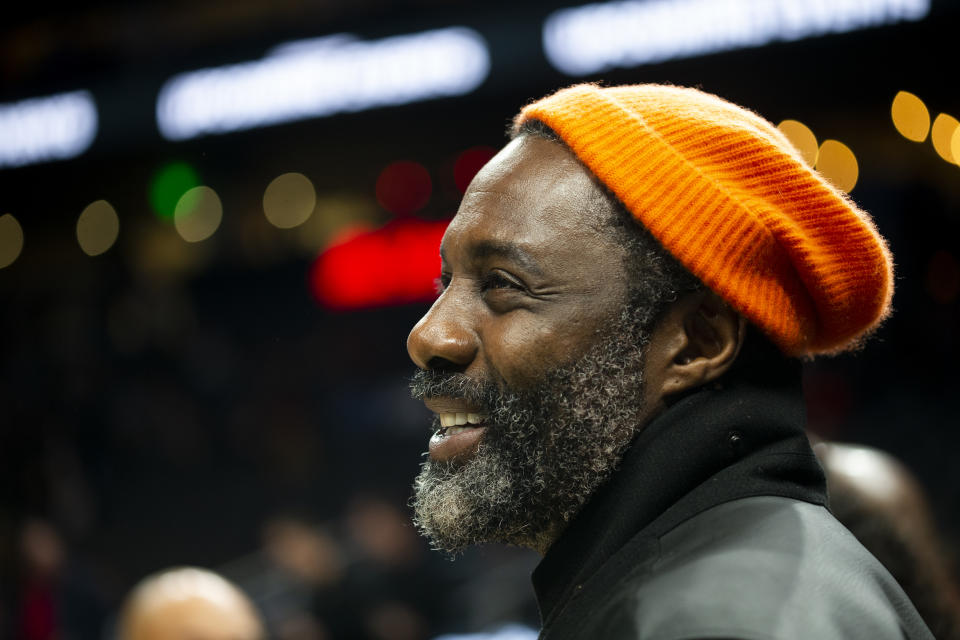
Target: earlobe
696	342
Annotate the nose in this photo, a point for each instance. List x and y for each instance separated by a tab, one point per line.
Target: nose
443	338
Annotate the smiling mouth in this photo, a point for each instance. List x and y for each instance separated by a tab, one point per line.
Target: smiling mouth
453	423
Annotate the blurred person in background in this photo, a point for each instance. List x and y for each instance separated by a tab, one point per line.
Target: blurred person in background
363	576
304	565
613	361
387	581
884	506
188	603
43	557
56	597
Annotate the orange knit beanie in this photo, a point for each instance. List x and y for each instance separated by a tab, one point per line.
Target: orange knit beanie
725	192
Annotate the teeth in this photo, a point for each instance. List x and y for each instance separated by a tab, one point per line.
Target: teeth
452	431
458	419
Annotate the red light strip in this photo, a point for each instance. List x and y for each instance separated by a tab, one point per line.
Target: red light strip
393	265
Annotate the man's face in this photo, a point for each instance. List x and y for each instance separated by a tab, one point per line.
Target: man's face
529	343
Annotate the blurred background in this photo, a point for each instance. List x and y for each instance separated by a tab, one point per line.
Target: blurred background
219	220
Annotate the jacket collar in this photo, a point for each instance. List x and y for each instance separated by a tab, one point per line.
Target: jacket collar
722	443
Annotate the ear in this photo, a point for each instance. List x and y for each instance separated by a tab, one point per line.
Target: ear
694	343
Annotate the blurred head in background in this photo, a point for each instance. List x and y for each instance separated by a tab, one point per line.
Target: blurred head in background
188	603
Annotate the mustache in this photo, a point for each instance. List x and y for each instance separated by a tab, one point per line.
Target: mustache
433	383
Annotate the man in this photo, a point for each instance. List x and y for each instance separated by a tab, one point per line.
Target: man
607	361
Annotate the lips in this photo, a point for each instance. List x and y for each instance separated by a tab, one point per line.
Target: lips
461	427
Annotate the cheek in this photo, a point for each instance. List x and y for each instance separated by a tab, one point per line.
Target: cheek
521	353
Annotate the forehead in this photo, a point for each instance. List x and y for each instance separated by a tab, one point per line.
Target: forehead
533	192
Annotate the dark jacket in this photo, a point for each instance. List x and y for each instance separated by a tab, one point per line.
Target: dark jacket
715	526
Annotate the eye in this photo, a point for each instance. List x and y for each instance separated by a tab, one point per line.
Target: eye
499	280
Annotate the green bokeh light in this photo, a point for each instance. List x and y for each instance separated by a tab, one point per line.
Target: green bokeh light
168	184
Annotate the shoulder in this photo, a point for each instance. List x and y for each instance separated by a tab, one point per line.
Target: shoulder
766	567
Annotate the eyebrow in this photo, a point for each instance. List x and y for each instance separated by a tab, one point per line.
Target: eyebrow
496	249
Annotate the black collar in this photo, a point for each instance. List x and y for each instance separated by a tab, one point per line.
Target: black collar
716	445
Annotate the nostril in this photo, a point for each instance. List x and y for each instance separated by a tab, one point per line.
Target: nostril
437	363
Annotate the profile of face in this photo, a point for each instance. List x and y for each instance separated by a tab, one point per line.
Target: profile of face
529	358
540	361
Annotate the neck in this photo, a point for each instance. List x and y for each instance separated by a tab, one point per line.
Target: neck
700	452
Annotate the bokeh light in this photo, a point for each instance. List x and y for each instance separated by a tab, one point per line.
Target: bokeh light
941	135
395	264
47	128
334	212
11	240
837	163
802	138
168	185
157	253
289	200
404	187
197	214
910	116
97	228
955	144
318	77
598	36
469	163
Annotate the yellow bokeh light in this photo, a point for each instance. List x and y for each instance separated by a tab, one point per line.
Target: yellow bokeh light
11	240
910	116
157	252
97	228
802	138
289	200
941	135
335	212
837	164
955	144
198	214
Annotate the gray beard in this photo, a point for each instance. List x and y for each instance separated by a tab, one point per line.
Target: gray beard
545	451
